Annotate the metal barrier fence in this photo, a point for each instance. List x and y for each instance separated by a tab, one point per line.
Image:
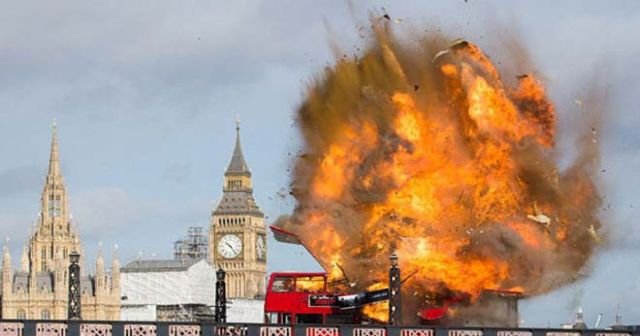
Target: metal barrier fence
131	328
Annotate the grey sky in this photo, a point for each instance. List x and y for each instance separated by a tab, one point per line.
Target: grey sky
146	93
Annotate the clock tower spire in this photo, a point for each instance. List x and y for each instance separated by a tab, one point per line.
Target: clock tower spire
237	239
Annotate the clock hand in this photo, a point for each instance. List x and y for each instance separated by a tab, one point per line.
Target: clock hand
232	249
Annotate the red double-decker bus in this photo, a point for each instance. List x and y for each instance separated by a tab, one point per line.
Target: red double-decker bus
303	298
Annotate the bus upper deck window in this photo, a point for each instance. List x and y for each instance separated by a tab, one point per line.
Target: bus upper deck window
310	284
282	284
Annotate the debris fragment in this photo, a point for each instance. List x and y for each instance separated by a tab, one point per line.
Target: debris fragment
593	233
538	216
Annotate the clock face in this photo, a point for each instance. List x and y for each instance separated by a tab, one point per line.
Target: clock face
230	246
261	249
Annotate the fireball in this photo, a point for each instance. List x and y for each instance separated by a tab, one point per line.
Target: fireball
423	149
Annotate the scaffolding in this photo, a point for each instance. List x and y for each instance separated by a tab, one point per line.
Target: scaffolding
193	246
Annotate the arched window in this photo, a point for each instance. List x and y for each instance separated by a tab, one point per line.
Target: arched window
45	315
21	314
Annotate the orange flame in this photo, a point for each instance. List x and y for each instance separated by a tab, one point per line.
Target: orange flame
456	174
378	311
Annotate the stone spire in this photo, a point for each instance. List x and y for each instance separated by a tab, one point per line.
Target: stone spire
115	272
100	261
6	256
24	262
54	235
238	165
54	155
101	277
237	197
54	196
7	278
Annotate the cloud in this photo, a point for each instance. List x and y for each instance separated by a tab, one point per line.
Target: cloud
118	60
113	216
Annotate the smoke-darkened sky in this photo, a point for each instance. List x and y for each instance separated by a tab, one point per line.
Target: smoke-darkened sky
146	94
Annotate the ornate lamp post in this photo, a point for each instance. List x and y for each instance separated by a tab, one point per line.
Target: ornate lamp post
221	297
73	312
395	298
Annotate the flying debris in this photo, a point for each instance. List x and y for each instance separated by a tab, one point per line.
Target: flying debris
455	45
593	233
539	217
439	55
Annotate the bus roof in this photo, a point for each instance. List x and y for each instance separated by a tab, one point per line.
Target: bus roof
299	274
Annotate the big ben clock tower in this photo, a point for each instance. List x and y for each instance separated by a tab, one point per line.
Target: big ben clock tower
237	239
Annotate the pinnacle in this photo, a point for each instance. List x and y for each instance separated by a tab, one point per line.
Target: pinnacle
54	156
238	165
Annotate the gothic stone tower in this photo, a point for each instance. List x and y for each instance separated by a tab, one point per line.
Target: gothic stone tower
237	239
39	290
54	236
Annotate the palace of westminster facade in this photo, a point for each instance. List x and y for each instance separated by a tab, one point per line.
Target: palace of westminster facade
38	289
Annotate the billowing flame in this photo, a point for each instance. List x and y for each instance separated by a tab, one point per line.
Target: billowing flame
432	155
310	284
378	311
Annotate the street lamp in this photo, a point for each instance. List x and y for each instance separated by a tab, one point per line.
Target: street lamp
395	299
221	297
73	312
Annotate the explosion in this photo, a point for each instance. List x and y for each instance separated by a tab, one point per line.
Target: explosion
424	150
